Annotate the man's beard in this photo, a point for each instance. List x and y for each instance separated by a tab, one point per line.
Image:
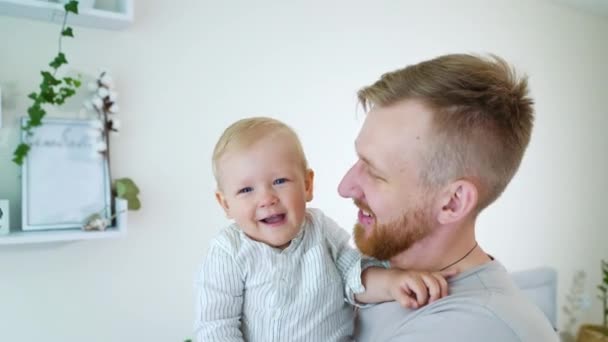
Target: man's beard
387	240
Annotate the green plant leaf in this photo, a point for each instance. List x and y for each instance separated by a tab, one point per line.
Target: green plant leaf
133	203
68	32
48	79
129	186
71	6
125	188
36	114
20	153
47	94
58	61
121	189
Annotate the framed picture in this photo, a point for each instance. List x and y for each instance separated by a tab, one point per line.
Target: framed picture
64	177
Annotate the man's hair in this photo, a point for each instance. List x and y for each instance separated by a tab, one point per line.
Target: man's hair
482	118
245	133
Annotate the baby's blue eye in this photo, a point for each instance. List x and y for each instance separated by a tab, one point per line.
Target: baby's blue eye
279	181
245	190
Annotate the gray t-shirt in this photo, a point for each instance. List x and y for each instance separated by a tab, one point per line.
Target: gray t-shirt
483	305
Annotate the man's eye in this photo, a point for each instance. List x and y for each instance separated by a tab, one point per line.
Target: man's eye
375	176
279	181
245	190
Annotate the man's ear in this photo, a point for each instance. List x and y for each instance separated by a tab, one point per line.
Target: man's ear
308	184
457	201
221	199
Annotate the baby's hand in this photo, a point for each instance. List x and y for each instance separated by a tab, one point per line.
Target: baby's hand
413	289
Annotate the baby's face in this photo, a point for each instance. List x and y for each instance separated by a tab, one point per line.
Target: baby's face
264	189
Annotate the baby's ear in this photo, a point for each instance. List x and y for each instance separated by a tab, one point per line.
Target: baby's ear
308	184
219	196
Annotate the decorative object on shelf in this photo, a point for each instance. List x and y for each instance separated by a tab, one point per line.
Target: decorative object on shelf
64	178
98	222
53	90
103	102
4	217
592	332
95	222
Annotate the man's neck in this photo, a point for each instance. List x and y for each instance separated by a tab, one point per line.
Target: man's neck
444	247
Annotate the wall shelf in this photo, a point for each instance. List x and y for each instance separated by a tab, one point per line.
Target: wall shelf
118	18
57	235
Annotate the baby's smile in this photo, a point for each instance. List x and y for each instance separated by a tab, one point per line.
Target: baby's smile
274	220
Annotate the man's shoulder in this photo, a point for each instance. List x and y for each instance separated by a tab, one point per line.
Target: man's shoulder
483	304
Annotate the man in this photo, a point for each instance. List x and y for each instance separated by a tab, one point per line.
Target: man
440	142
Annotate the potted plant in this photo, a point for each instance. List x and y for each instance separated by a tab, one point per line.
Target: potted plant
594	332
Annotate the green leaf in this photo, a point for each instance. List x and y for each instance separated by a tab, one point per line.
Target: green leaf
71	6
129	185
36	114
68	32
66	92
20	153
126	188
121	189
58	61
33	96
48	79
77	83
47	94
133	203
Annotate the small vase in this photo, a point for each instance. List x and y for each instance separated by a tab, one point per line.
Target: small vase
592	333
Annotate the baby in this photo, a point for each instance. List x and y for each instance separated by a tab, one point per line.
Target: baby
282	272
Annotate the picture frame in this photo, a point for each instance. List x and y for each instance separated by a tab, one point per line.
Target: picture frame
65	178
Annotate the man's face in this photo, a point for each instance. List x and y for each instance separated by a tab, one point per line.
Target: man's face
395	211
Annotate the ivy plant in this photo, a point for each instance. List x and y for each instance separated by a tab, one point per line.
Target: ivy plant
53	90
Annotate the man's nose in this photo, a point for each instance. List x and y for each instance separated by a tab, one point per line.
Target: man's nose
349	187
268	197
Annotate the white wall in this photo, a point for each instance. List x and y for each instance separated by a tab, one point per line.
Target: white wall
187	69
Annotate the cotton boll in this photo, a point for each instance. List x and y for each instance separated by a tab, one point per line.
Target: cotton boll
102	92
101	146
114	108
97	102
106	80
112	96
115	124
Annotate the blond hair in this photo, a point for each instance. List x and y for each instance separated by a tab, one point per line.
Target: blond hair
482	117
246	132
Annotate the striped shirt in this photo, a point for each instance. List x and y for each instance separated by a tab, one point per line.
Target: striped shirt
249	291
